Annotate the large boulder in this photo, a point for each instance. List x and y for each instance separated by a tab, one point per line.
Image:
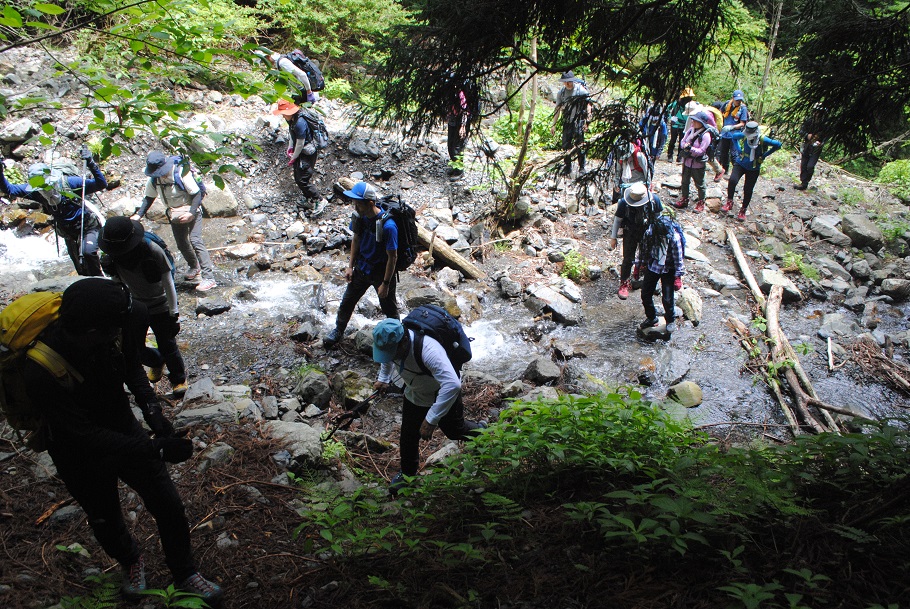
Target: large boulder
768	278
314	388
898	289
689	301
541	371
825	226
302	441
544	299
862	231
220	203
18	131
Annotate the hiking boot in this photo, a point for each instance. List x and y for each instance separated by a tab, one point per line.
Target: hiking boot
681	203
155	373
728	205
179	389
205	285
699	206
648	323
624	288
802	186
741	216
671	327
210	592
333	338
720	174
133	583
396	484
320	207
192	274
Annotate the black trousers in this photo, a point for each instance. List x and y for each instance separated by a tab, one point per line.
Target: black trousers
93	484
723	152
807	162
676	134
630	240
357	287
91	261
573	134
453	425
166	329
648	284
455	142
304	167
749	185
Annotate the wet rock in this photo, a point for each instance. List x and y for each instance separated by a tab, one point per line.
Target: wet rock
541	371
223	413
721	281
898	289
825	226
838	325
305	332
423	296
689	301
862	231
830	267
509	288
244	251
220	203
212	306
768	278
17	131
871	317
687	393
567	288
314	388
544	299
351	388
856	299
303	442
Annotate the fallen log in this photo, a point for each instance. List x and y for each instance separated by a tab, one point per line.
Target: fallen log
447	254
745	270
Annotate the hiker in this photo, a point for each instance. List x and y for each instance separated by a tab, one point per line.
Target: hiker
736	115
458	119
302	156
630	165
374	253
285	64
653	129
432	391
663	255
750	148
573	106
676	112
813	134
637	205
714	118
145	268
94	440
61	197
182	195
695	145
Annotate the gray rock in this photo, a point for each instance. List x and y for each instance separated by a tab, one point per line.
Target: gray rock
220	203
898	289
219	452
838	325
862	231
687	393
541	371
690	302
351	388
303	442
363	146
861	269
314	388
833	268
294	229
768	278
721	281
54	284
567	288
826	228
697	256
423	296
509	287
856	299
18	131
212	306
203	389
67	515
544	299
448	449
223	413
270	407
289	405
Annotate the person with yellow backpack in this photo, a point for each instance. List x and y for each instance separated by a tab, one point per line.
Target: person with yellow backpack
736	115
64	360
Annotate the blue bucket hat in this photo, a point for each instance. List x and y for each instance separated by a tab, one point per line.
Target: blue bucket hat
362	191
386	336
738	95
157	165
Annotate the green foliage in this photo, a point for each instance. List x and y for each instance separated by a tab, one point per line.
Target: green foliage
105	593
850	196
506	129
337	88
171	597
575	266
897	175
795	260
305	368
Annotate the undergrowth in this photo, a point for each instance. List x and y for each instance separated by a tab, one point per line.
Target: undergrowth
633	501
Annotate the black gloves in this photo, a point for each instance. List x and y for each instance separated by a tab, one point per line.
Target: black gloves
157	422
174	450
85	154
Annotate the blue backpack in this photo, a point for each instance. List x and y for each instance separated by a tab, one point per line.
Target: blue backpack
435	322
178	178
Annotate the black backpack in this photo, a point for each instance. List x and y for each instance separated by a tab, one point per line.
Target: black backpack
313	73
406	220
433	321
318	132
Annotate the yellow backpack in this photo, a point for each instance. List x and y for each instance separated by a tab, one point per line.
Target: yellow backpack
20	324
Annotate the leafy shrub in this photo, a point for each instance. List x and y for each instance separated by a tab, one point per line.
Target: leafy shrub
851	197
575	266
795	260
337	88
506	129
897	175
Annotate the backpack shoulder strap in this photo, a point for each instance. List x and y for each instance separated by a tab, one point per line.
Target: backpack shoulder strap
418	352
62	371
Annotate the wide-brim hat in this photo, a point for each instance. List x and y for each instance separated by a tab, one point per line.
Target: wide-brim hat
687	92
120	235
636	195
691	108
158	165
567	77
286	108
386	336
702	117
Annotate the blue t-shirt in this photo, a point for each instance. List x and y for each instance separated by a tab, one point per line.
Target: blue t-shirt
372	254
300	130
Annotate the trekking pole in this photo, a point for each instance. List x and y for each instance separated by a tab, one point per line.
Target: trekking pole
344	420
82	219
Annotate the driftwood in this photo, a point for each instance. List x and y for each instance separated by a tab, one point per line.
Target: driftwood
869	357
745	270
444	252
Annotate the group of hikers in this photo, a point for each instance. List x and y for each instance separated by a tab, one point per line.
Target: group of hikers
93	339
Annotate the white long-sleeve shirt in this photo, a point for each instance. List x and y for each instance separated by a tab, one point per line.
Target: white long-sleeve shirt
288	66
437	391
